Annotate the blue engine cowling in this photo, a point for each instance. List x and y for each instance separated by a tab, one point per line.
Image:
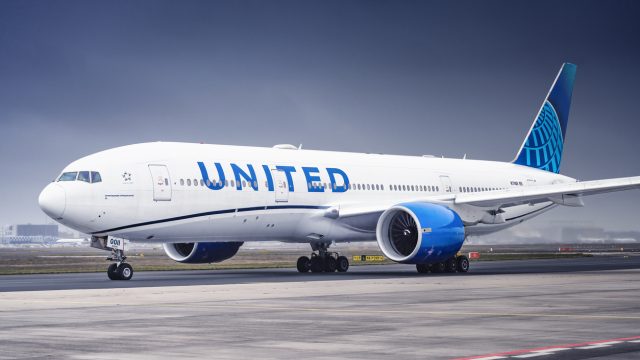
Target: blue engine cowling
201	253
420	233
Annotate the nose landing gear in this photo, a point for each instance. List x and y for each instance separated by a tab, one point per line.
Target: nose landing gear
322	260
119	270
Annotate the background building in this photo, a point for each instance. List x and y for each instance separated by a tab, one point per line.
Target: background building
29	234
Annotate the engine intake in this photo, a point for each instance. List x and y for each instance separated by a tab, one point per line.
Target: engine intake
419	233
201	253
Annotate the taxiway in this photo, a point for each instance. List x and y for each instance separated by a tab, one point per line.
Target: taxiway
547	309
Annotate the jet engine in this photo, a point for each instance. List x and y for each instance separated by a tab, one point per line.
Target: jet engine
420	233
201	253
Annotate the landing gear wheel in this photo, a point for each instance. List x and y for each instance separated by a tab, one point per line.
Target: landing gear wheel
317	264
304	264
463	264
451	265
125	271
330	264
422	268
111	272
343	264
438	267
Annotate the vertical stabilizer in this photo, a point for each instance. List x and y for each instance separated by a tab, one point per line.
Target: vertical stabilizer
542	148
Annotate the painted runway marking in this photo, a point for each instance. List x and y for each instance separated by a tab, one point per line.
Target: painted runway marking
551	350
599	345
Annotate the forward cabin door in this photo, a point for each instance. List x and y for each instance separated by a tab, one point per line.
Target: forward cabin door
161	182
446	183
281	185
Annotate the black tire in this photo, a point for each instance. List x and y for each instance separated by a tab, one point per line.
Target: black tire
422	268
125	271
463	264
343	264
317	265
330	264
111	272
438	267
451	265
304	264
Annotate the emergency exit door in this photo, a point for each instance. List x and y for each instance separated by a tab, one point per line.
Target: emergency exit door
282	186
446	183
161	182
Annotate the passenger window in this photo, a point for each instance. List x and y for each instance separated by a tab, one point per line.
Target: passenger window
181	182
95	177
201	182
68	176
188	182
166	182
381	187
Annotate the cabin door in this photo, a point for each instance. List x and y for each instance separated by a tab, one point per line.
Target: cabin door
281	185
446	183
161	182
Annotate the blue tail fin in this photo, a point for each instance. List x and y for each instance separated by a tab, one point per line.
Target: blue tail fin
542	148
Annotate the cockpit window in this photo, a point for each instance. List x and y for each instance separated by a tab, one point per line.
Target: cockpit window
68	176
95	177
84	176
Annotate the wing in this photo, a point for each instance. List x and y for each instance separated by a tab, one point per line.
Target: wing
564	194
486	207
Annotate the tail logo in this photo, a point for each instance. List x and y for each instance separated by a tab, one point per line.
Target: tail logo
543	148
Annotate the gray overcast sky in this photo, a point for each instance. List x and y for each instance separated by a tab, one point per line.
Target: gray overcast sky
402	77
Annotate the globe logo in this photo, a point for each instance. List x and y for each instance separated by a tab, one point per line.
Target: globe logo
543	149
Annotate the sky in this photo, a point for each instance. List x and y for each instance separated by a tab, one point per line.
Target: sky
398	77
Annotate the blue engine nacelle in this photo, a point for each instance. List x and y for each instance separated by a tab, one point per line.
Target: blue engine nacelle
201	253
420	233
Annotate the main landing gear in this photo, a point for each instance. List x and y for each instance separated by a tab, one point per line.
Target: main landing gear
322	260
455	264
119	270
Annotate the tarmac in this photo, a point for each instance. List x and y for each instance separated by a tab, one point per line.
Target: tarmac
545	309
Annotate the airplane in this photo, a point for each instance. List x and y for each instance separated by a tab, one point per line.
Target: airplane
203	201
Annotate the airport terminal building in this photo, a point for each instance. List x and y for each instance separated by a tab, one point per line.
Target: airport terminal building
29	234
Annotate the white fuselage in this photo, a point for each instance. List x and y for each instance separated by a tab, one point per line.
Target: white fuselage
156	192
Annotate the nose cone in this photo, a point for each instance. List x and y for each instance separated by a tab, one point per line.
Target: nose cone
53	200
